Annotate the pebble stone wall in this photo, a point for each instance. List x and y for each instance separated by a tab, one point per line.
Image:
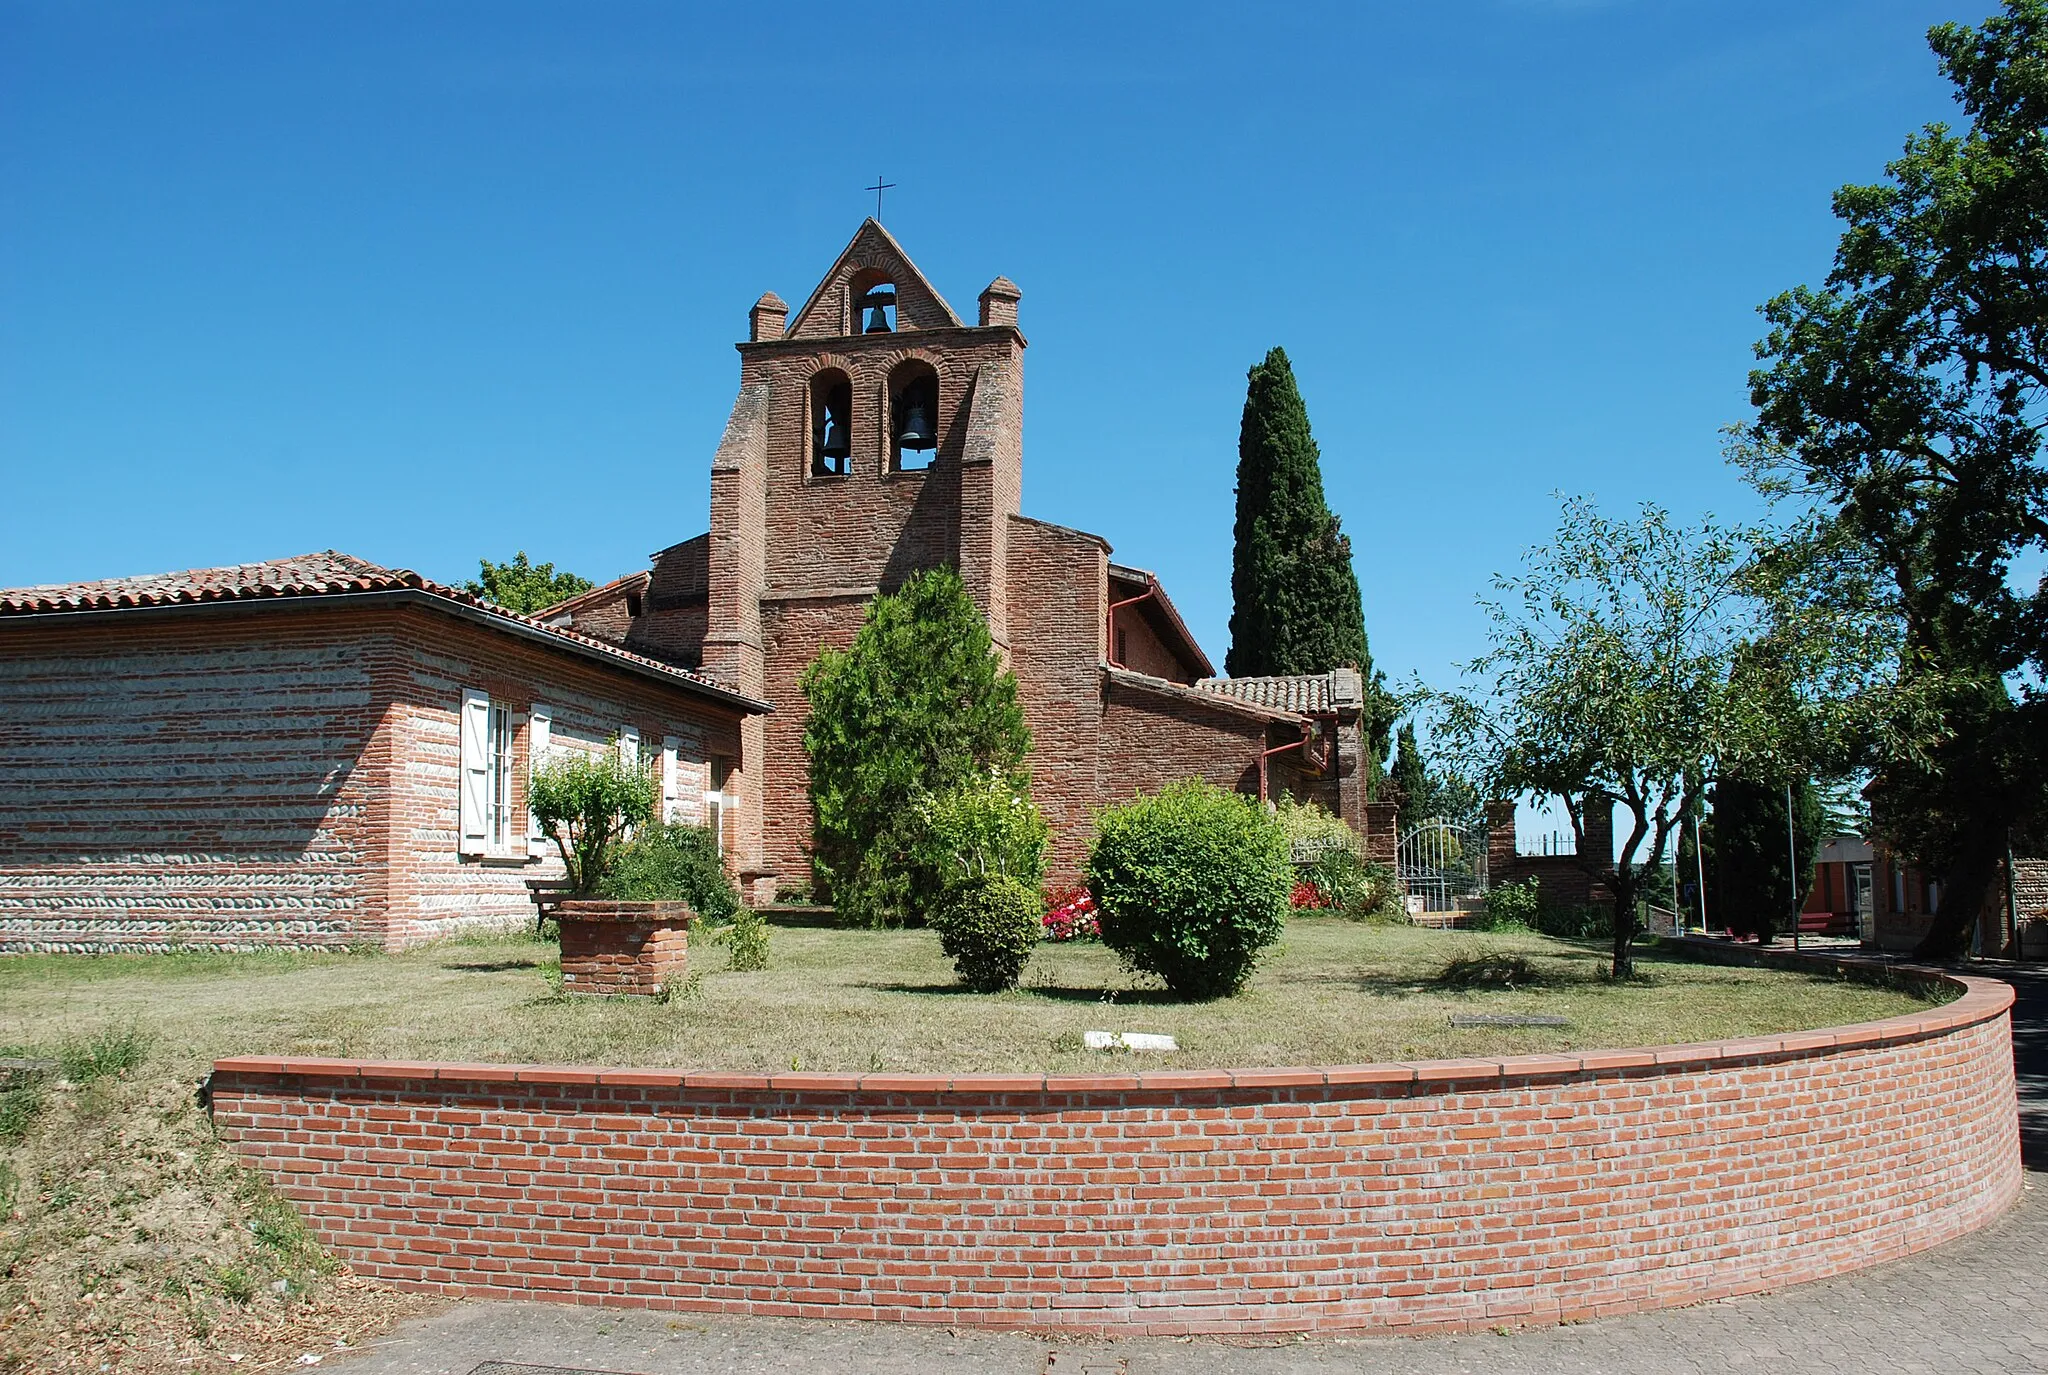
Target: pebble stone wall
1439	1195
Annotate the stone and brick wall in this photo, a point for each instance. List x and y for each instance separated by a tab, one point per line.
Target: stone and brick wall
1434	1195
201	780
286	774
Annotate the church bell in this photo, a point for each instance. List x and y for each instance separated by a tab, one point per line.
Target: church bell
834	444
917	428
878	316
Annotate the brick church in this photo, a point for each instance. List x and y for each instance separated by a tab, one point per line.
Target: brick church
318	750
875	434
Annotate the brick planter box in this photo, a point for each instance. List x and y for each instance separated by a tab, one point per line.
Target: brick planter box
623	949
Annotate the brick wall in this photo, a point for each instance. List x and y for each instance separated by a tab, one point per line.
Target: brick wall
1057	653
1447	1194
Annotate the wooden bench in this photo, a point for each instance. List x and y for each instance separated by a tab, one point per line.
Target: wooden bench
546	894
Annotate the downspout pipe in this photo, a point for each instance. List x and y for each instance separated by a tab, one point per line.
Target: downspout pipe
1109	621
1307	732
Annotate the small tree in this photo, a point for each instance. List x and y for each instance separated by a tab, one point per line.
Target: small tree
1753	887
918	704
525	587
1633	662
586	802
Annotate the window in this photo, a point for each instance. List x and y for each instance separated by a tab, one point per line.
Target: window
1123	646
633	605
484	815
831	424
498	824
718	802
913	418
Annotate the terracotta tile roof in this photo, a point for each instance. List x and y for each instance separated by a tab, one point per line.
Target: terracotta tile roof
328	573
1310	694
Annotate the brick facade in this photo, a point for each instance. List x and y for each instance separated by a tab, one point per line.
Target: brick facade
798	546
286	771
1438	1195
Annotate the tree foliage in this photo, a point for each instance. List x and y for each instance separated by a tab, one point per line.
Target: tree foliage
918	705
586	802
1751	886
1633	662
1428	791
1295	606
525	587
1904	398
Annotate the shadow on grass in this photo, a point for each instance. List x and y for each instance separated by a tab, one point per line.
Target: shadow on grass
491	966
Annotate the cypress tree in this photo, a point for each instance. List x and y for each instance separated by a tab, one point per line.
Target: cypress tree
1411	776
1295	605
1749	883
1294	597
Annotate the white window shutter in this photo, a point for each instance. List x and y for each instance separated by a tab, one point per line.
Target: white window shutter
629	744
671	746
540	727
476	768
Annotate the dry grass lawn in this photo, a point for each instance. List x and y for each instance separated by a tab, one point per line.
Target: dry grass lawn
1338	992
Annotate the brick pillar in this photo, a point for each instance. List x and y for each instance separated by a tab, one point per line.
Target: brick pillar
1382	832
999	303
1500	842
768	319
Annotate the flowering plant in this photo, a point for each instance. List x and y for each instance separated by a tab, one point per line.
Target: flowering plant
1070	916
1307	895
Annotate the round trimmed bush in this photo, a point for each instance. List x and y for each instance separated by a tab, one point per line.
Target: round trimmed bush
989	926
1192	885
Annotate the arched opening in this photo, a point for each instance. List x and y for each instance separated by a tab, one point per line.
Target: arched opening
831	424
913	417
874	302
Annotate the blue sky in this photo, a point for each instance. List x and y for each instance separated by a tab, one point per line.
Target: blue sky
425	282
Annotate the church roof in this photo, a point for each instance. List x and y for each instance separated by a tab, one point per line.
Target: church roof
1309	694
875	247
326	574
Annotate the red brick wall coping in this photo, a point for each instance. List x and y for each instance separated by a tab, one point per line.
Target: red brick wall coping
1428	1195
1981	1001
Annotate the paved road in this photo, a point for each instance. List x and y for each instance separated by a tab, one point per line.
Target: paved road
1977	1305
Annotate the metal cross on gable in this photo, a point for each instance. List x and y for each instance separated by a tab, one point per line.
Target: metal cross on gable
878	188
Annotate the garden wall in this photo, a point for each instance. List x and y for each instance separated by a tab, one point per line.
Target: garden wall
1448	1194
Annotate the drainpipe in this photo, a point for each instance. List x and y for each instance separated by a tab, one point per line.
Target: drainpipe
1307	731
1109	621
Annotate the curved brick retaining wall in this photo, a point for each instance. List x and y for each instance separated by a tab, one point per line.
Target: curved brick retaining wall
1446	1194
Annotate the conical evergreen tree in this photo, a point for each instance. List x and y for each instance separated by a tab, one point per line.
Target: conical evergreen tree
1295	604
1411	775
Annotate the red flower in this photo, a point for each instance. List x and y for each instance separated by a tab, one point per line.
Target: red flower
1307	895
1070	916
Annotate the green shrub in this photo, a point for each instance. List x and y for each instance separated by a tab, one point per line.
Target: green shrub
984	827
1576	921
1511	906
672	864
1489	969
989	925
586	802
1312	829
746	941
111	1050
1191	885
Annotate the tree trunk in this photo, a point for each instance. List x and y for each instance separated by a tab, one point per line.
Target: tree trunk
1963	890
1624	924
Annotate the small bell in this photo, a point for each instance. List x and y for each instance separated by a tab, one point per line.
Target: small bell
878	315
917	428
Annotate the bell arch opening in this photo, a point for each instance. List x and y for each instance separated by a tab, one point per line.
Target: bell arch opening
913	417
831	423
874	302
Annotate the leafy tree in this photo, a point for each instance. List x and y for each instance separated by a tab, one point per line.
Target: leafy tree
1905	398
1750	885
586	802
918	705
1632	662
1295	603
525	587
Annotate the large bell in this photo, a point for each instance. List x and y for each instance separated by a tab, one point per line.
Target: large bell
834	444
917	428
